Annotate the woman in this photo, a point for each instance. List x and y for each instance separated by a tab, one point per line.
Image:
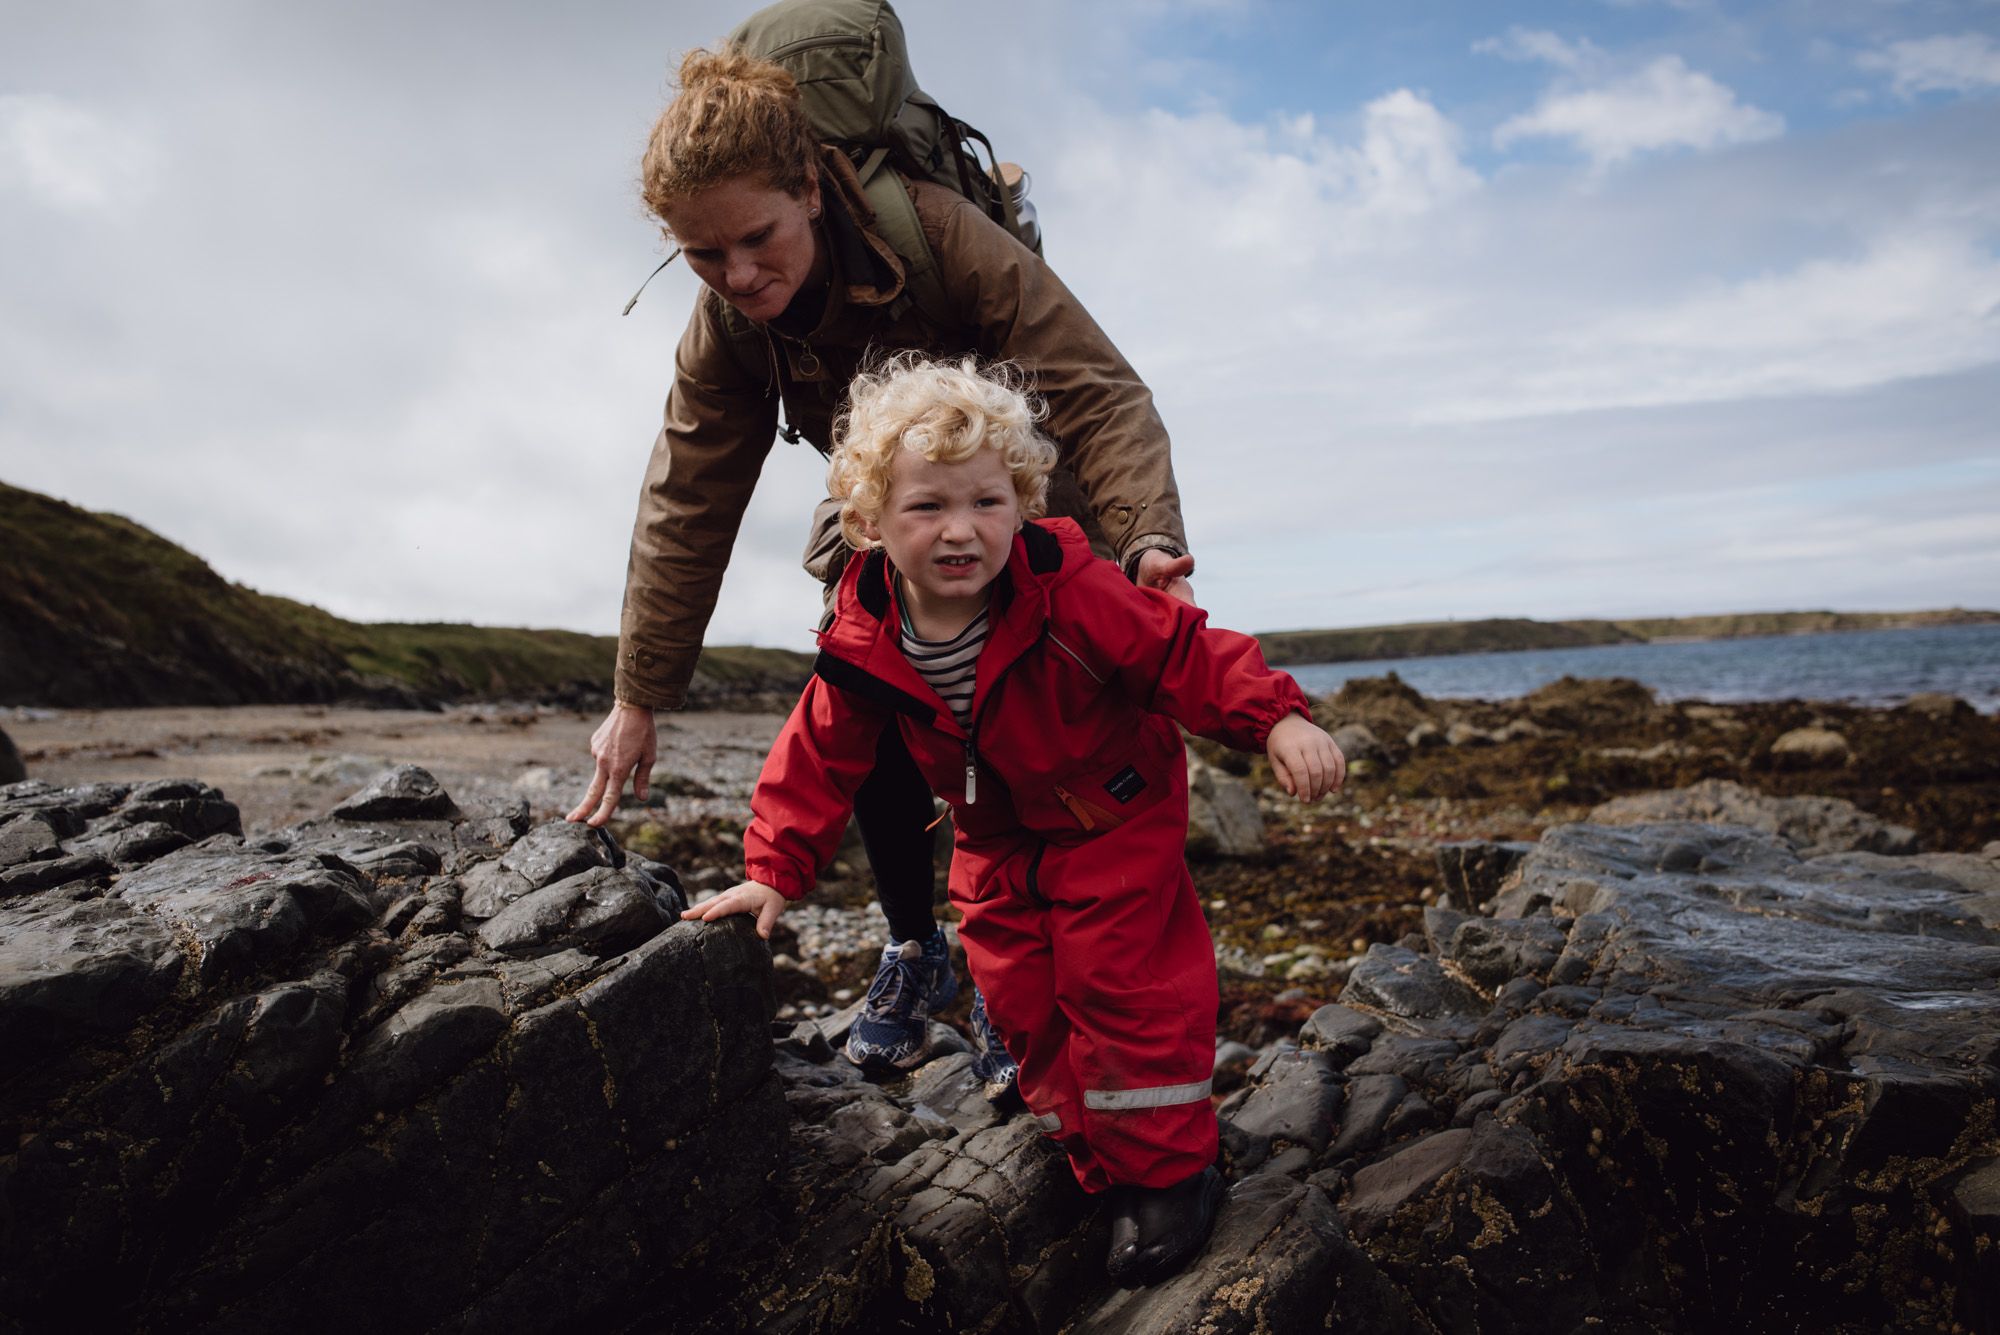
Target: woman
800	288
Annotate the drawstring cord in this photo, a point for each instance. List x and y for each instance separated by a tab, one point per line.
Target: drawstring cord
649	278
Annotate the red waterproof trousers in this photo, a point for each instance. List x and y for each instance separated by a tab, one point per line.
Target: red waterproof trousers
1099	974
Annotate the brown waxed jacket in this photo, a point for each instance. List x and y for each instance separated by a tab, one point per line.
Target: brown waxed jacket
1114	472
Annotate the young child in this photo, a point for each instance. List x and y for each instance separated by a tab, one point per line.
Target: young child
1038	691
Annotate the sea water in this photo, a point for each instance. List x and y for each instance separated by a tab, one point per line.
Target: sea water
1868	667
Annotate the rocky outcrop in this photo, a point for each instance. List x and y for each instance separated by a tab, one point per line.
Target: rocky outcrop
1811	825
424	1068
1223	820
1683	1079
1679	1078
300	1084
12	770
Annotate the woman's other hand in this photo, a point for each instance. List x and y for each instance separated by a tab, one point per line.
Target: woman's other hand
747	897
1168	574
625	744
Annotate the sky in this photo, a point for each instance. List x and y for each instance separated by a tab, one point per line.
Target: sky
1604	308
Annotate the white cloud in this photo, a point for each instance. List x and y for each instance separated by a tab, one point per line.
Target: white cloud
1912	305
1665	105
73	158
1285	193
1408	161
1966	63
1535	44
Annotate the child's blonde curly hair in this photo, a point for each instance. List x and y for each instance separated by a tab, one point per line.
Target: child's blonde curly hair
945	411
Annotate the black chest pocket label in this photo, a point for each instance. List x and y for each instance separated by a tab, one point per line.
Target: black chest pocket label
1125	785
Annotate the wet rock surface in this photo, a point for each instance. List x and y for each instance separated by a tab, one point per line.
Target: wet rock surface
1668	1074
1810	824
298	1084
1680	1079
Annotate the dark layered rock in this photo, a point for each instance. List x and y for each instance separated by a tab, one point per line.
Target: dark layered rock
1684	1079
419	1067
281	1086
1473	871
12	769
1811	825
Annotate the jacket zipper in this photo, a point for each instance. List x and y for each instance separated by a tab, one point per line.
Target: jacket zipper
972	733
1034	882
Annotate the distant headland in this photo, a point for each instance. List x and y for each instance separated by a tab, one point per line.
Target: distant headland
1435	639
97	611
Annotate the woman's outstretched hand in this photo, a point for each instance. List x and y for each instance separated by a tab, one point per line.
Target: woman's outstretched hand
624	745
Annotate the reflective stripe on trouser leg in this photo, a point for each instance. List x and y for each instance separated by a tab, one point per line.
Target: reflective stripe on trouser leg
1159	1096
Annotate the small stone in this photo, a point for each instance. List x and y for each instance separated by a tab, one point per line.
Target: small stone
407	792
1223	820
1811	747
1342	1032
27	838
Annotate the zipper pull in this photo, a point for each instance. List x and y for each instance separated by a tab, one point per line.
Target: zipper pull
971	775
1076	807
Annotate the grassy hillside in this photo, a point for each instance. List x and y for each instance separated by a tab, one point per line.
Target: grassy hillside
1426	639
96	610
1743	624
1498	635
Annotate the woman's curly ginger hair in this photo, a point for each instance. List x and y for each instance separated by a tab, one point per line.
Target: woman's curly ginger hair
734	116
945	411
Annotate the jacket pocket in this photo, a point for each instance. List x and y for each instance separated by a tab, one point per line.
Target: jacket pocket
1104	796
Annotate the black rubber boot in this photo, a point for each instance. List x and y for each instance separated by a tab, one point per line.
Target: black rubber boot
1155	1231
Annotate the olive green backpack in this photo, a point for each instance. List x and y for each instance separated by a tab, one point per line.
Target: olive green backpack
852	65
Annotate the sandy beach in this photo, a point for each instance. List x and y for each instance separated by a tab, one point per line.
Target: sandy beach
285	763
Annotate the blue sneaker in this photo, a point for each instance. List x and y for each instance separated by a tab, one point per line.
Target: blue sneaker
892	1033
990	1061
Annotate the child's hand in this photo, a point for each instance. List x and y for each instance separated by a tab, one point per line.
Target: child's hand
1306	761
749	897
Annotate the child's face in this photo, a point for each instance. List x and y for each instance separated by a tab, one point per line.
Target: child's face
948	526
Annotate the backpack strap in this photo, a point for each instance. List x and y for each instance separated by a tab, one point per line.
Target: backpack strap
896	219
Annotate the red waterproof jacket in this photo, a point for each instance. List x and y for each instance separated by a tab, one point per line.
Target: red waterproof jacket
1076	695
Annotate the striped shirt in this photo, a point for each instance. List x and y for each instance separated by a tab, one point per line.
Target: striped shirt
947	665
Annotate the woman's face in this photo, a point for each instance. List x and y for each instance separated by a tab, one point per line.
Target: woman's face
754	245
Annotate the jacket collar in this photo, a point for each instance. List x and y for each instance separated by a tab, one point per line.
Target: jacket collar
863	641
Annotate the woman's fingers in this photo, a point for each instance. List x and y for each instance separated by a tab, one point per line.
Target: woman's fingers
608	803
1157	570
624	747
583	808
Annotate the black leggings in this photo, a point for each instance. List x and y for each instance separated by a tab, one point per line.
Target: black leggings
893	808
